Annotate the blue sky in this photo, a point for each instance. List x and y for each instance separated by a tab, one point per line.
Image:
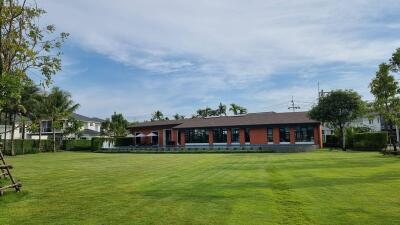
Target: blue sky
136	57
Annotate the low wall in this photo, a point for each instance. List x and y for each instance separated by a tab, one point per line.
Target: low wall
281	148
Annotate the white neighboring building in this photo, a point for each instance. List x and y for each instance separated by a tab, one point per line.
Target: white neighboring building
91	128
372	121
17	132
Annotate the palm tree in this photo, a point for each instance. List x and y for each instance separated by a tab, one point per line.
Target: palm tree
179	117
37	113
221	109
30	100
59	106
242	110
234	108
157	115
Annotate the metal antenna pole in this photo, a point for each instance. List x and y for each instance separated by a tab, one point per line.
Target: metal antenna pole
293	107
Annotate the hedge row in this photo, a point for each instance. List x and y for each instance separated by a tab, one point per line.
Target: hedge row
371	141
78	145
29	146
86	145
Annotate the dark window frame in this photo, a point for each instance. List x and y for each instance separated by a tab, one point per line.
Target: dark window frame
304	134
220	135
284	134
196	136
235	135
270	135
247	135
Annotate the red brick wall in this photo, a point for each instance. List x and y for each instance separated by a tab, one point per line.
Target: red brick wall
275	134
229	136
292	135
241	136
210	136
318	135
183	140
258	136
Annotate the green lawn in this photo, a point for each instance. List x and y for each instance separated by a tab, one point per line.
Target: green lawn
321	187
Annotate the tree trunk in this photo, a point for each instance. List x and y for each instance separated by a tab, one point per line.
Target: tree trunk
40	136
23	138
13	118
5	132
54	135
343	134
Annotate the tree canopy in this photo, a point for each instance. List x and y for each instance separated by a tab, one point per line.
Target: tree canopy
338	109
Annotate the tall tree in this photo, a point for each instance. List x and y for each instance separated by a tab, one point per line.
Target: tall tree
10	97
105	128
234	108
179	117
338	109
25	44
118	125
59	106
157	115
73	127
221	109
386	91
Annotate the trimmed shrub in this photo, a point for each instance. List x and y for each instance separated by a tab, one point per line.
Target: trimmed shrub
97	142
372	141
30	146
123	141
78	145
332	141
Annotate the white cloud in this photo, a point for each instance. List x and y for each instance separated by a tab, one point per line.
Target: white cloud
231	45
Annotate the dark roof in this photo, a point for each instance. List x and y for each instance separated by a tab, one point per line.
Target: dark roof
158	123
251	119
87	119
88	132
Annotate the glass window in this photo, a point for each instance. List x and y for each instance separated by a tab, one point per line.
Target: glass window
247	135
284	134
304	134
220	135
270	135
154	139
196	136
235	135
138	140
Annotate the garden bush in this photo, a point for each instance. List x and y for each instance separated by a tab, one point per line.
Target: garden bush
372	141
78	145
30	146
123	141
97	142
332	141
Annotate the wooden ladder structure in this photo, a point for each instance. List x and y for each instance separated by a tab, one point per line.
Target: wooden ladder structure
6	173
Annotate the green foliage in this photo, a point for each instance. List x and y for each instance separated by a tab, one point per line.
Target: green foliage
25	45
338	109
58	105
116	126
385	89
221	109
323	187
73	126
332	141
78	145
157	115
370	141
30	146
179	117
97	142
237	110
123	141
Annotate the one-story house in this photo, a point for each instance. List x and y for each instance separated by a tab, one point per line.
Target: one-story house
253	129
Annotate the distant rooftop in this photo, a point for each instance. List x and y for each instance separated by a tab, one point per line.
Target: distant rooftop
87	119
250	119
